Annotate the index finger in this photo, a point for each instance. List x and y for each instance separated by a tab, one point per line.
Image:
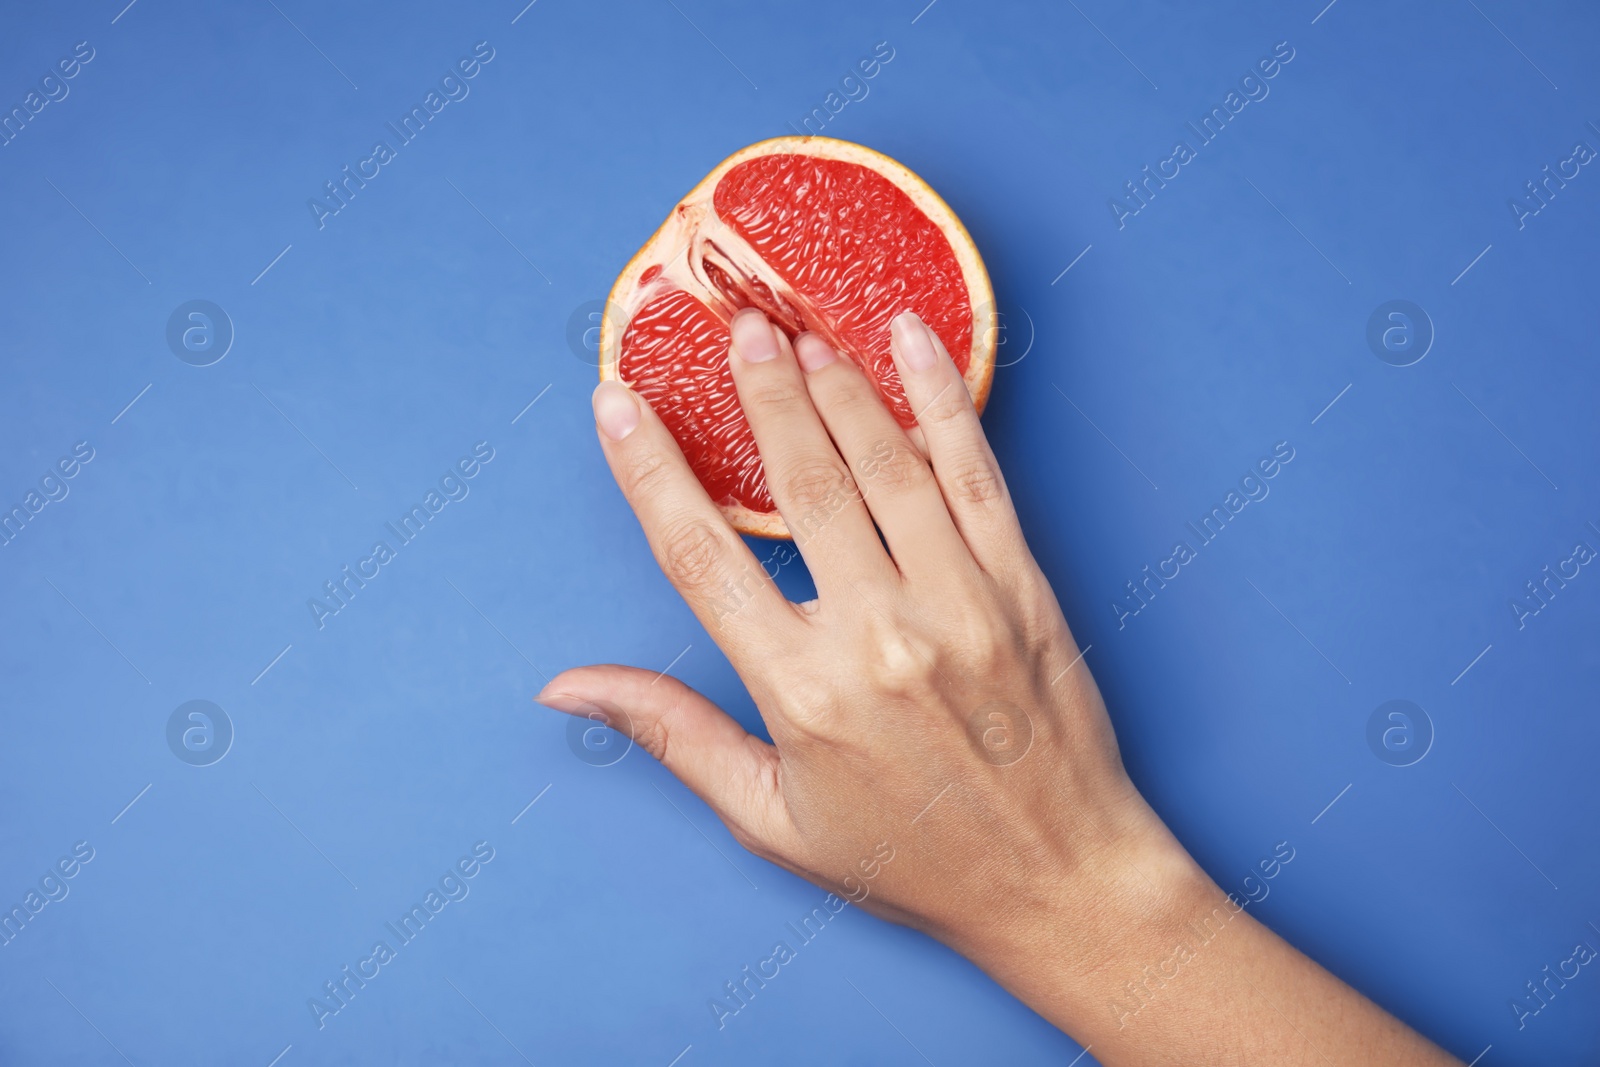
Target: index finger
705	560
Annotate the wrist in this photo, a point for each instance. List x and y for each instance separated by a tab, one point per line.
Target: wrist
1094	942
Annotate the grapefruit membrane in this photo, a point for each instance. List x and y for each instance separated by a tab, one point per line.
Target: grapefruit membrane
821	235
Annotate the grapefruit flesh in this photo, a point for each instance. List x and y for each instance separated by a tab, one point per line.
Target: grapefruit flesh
821	235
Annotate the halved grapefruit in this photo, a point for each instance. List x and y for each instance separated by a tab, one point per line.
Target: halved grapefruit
821	235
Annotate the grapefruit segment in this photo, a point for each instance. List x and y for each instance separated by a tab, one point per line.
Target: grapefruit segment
821	235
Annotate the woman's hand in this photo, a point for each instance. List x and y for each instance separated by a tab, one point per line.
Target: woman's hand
930	703
940	754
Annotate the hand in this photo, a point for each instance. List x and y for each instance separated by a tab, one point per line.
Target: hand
941	754
931	700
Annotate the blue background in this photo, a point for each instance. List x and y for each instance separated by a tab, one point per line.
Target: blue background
455	288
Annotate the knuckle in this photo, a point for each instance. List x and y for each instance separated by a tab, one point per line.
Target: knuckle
952	407
653	739
646	473
894	468
809	703
977	482
986	643
818	485
898	668
775	394
847	396
691	554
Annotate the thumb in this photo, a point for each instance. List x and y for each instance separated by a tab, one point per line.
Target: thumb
733	771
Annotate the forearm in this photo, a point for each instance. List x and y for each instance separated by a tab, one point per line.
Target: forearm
1148	962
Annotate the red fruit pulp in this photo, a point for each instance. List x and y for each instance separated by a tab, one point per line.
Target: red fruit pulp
847	250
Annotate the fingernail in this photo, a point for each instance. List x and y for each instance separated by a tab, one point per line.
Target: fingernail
616	411
813	352
915	341
559	701
752	336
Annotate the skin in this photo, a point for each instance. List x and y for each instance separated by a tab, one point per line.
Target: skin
931	705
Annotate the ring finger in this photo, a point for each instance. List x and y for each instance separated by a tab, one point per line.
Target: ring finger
896	482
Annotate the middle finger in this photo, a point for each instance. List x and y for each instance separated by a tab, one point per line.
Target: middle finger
809	482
